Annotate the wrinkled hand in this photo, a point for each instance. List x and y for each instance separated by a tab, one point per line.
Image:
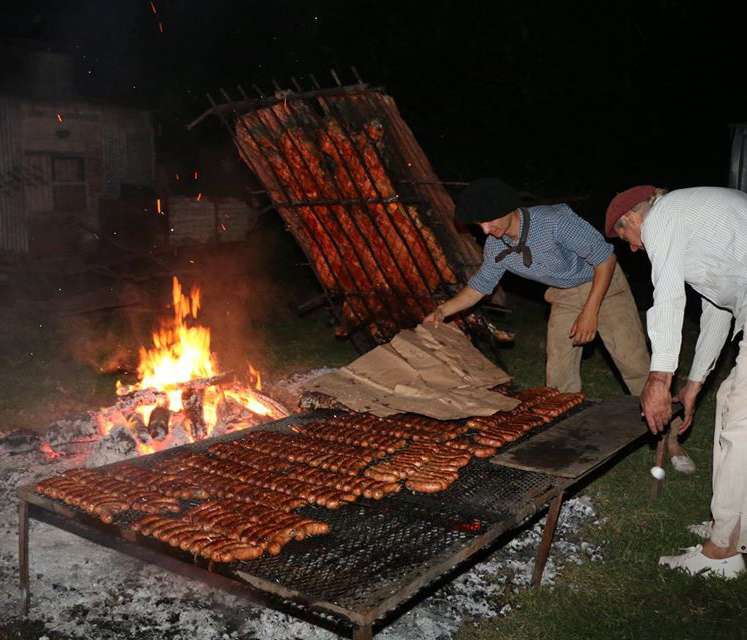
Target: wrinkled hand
656	401
584	329
687	396
434	317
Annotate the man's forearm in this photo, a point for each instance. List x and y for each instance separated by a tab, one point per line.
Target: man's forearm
600	283
465	299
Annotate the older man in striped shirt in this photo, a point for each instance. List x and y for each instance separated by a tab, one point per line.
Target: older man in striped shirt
587	289
697	236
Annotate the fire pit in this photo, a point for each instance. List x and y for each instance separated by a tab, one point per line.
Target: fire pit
378	554
181	396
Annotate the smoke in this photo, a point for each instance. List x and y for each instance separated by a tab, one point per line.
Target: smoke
108	341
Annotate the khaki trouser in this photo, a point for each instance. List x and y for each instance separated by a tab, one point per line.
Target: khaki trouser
619	327
729	503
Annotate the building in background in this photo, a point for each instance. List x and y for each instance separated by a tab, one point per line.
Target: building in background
61	156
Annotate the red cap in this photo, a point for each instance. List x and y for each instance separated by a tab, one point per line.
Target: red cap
624	202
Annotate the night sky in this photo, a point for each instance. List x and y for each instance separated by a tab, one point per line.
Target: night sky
556	97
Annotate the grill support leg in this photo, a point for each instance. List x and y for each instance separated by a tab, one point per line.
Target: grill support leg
658	485
547	535
364	632
23	554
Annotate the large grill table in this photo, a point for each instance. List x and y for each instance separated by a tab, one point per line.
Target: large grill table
379	555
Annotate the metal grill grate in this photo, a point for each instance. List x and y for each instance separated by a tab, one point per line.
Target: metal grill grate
484	492
367	557
376	548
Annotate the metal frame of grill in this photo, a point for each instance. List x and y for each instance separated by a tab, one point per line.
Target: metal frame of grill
378	556
373	279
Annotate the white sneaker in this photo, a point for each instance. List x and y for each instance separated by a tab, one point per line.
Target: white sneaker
702	529
683	464
695	563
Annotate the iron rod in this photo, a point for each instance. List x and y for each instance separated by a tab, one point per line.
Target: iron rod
393	311
361	201
309	232
406	213
351	214
266	101
361	158
286	195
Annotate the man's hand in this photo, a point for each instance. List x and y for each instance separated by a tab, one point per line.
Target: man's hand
434	317
584	329
656	401
687	396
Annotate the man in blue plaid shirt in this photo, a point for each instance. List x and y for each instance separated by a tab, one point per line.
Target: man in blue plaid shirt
587	290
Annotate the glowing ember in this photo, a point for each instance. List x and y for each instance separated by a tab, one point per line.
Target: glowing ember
158	205
59	117
199	196
47	450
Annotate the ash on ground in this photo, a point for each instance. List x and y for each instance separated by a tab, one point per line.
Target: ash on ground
81	590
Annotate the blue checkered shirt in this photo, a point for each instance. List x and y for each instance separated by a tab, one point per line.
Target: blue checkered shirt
565	249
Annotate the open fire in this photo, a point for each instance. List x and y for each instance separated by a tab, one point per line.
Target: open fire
181	394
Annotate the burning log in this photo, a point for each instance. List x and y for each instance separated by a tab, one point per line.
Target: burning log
192	398
136	391
158	423
137	426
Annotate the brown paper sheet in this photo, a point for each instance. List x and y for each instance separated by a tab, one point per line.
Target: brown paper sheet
434	371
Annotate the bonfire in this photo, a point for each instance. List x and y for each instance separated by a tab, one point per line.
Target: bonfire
181	394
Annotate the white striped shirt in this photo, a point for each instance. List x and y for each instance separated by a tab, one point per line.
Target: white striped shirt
696	236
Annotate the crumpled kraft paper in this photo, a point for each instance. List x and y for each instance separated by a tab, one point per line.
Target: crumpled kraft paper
434	371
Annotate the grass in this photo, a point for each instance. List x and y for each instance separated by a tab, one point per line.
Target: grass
627	596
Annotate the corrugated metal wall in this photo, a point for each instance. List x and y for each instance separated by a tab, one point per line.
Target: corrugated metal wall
128	150
13	230
114	144
208	220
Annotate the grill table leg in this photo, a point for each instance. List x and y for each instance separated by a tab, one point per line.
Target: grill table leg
658	485
23	554
547	535
363	633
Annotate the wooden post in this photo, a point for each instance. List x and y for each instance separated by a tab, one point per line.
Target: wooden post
547	535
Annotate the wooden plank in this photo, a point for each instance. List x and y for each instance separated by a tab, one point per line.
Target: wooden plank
574	446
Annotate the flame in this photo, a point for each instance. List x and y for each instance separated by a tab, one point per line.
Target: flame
181	353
